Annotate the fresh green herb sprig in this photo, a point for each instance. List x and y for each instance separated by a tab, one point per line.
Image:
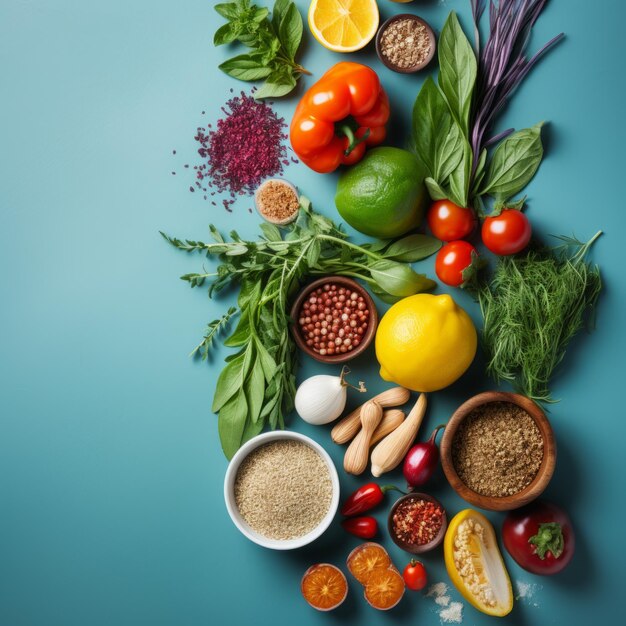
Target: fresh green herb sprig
273	43
257	385
533	306
213	330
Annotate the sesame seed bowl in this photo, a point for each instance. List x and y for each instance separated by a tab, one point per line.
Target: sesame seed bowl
334	319
281	490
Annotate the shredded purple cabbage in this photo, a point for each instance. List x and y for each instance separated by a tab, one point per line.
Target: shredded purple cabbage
503	63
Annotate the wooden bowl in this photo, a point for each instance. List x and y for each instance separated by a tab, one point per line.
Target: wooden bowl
539	482
367	337
411	547
419	66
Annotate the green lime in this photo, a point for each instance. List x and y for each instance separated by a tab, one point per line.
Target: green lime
384	194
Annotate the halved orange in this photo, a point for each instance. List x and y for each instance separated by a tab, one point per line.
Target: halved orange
343	25
324	586
384	589
366	559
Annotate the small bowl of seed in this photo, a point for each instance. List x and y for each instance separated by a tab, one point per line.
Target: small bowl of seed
498	451
281	490
406	43
277	201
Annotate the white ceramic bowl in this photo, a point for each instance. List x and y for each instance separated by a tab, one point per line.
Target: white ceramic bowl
229	491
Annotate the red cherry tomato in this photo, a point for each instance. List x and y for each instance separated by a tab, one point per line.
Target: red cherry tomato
452	260
507	233
365	527
539	537
415	575
448	221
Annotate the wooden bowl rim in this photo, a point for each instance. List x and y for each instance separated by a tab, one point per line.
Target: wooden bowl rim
426	547
431	35
544	473
367	337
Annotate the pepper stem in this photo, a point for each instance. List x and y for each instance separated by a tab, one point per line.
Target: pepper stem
345	370
433	437
549	538
353	141
386	488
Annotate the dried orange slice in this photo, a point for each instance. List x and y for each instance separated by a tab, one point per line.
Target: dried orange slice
366	559
384	589
324	586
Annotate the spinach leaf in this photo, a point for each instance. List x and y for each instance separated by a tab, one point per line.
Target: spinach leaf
514	163
457	73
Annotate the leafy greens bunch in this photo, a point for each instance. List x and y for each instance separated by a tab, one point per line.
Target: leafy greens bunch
450	119
273	43
534	305
257	385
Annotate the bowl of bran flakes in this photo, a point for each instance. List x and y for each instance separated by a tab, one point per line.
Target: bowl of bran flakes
498	451
281	490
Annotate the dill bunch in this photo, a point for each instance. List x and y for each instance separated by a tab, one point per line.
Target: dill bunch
532	308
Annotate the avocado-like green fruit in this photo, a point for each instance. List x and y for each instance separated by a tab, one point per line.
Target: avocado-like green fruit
384	194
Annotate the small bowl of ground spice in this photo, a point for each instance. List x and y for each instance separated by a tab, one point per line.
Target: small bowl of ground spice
334	319
498	451
281	490
405	43
417	523
277	201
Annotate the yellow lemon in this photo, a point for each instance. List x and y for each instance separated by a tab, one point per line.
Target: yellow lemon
425	342
343	25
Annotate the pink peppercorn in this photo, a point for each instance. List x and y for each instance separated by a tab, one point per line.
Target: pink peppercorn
340	319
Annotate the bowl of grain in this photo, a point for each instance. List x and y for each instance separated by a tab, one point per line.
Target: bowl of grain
498	451
281	490
406	43
277	201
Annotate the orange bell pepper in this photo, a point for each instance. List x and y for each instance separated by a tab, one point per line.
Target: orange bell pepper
342	113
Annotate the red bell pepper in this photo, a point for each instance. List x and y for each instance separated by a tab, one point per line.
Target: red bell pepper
365	498
338	116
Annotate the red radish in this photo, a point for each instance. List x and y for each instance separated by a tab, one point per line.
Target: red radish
421	461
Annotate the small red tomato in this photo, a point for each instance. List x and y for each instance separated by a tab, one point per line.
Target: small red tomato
365	527
415	575
452	260
507	233
539	537
448	221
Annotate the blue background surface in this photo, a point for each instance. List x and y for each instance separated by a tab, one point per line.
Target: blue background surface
110	467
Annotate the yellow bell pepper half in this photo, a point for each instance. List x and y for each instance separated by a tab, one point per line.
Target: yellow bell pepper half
475	564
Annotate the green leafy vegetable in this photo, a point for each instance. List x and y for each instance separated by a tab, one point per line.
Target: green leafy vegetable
532	308
257	385
273	41
513	164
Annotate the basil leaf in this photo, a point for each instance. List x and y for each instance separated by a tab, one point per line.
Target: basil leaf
278	12
412	248
270	232
241	335
434	190
460	179
251	429
479	175
397	279
266	361
227	10
255	390
259	14
436	138
231	423
457	70
278	84
383	295
514	163
245	67
290	31
249	294
224	34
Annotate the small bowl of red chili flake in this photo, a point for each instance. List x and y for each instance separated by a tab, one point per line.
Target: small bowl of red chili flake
417	523
334	319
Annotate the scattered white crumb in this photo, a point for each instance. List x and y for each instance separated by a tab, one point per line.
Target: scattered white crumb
453	614
442	600
526	591
437	590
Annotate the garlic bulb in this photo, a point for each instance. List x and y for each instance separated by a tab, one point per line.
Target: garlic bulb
322	399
